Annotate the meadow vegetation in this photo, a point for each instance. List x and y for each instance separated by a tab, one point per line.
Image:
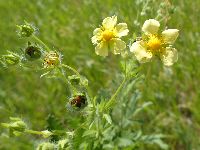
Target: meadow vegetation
158	107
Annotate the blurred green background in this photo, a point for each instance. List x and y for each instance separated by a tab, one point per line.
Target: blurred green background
67	26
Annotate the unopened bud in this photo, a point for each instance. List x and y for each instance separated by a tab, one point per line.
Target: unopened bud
10	59
25	30
46	133
84	81
74	79
16	125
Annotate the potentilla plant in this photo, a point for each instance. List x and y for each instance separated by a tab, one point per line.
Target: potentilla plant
107	123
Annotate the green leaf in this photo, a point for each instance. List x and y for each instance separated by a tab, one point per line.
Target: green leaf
161	144
123	142
89	133
108	118
142	107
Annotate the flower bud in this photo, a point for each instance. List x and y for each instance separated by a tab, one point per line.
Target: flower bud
46	146
16	125
74	79
46	133
84	81
32	52
25	30
10	59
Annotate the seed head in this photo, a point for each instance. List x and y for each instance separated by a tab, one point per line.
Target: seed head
51	59
32	52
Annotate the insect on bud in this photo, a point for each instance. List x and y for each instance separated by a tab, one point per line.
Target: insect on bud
32	52
77	102
25	30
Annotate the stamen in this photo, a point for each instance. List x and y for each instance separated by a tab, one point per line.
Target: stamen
108	35
154	43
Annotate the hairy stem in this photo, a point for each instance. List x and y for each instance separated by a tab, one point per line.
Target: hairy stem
33	132
40	41
72	69
67	81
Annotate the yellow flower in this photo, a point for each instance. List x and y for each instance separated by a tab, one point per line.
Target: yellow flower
108	37
154	44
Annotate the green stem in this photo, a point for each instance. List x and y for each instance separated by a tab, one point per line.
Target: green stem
148	74
98	124
40	41
68	82
72	69
112	100
125	64
33	132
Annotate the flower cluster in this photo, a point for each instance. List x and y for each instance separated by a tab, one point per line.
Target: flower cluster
106	38
152	43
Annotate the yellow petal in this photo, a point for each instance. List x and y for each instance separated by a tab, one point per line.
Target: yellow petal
170	35
141	54
97	35
151	26
102	49
169	56
122	29
117	46
109	22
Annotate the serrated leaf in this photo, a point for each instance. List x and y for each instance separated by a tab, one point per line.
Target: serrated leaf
161	144
124	142
89	133
108	118
142	107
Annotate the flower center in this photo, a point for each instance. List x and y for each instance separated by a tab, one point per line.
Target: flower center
154	42
108	35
